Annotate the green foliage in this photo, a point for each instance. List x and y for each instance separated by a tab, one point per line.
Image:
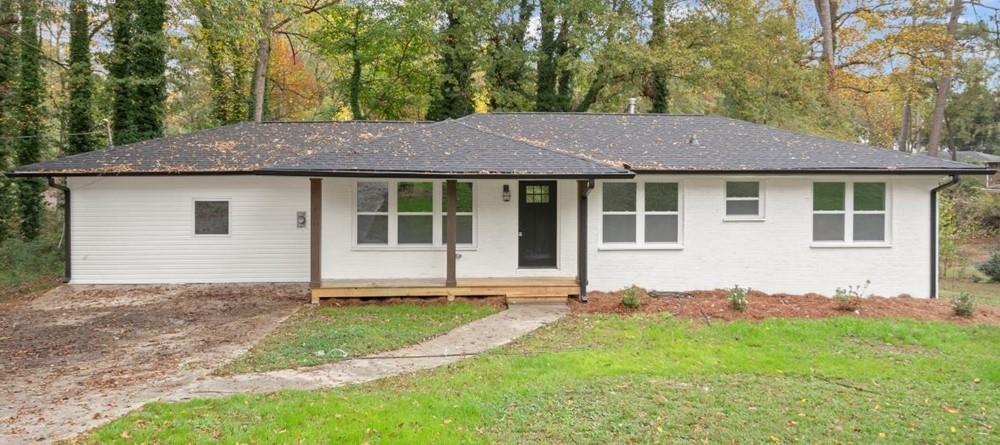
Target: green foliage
226	40
963	304
137	69
991	267
452	97
8	122
639	379
972	118
948	233
318	335
28	265
30	117
508	74
80	109
738	297
631	298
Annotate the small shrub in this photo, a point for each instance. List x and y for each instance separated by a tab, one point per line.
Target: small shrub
630	298
737	297
850	299
963	304
992	266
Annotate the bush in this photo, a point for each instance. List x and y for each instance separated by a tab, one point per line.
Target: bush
992	266
963	304
26	266
850	299
630	298
737	297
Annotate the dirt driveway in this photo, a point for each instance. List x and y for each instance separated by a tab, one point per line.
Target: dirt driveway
74	358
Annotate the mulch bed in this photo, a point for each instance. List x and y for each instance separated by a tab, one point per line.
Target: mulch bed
712	305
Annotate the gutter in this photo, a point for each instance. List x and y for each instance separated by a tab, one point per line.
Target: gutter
67	226
934	232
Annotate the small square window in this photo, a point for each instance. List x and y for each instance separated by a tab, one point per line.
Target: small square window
211	217
536	194
743	200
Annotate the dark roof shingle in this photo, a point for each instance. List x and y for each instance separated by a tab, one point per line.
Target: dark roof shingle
446	148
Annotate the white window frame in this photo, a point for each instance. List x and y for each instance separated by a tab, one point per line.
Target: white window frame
194	218
640	217
849	213
761	192
437	216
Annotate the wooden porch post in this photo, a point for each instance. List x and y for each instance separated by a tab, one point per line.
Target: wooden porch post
583	188
315	232
451	204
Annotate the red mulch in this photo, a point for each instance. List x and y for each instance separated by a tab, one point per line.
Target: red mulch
712	305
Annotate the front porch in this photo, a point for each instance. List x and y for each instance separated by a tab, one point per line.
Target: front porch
515	290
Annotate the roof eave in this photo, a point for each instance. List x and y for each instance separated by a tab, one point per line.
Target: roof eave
438	175
839	171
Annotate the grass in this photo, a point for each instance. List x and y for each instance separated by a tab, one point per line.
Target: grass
641	379
318	335
985	292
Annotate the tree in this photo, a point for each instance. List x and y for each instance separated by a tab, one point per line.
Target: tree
30	114
944	81
148	67
971	116
120	73
453	96
660	94
825	12
508	74
8	78
80	112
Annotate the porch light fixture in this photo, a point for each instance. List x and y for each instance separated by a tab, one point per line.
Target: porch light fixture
506	193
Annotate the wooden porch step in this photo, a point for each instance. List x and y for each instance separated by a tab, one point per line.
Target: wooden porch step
537	300
512	288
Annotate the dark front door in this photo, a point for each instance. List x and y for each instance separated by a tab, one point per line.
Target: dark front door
537	224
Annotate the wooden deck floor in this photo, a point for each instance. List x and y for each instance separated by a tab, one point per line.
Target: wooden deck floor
523	289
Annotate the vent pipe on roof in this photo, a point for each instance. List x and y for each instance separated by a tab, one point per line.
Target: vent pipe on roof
631	106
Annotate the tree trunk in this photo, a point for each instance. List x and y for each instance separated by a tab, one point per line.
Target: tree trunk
826	22
944	82
546	84
904	130
263	55
660	89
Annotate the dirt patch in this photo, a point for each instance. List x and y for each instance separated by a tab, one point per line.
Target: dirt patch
712	305
75	356
494	302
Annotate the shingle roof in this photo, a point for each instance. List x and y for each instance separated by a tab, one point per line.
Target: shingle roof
237	148
513	144
447	148
657	142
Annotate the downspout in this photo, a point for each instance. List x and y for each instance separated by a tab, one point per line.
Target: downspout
583	188
67	215
934	232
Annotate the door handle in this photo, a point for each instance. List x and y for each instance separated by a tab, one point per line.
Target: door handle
520	234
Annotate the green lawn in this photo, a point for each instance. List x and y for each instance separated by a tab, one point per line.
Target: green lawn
641	379
318	335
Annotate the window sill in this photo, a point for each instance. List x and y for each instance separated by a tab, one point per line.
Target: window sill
743	219
613	247
410	248
845	245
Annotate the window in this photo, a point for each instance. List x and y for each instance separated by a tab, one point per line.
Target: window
463	214
415	207
849	211
536	194
211	217
640	213
409	213
373	213
743	200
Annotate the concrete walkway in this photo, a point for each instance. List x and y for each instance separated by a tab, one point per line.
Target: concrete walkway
464	341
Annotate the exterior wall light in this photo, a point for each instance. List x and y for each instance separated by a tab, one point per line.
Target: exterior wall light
506	193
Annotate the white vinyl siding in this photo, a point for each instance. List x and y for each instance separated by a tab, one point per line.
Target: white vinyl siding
142	230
